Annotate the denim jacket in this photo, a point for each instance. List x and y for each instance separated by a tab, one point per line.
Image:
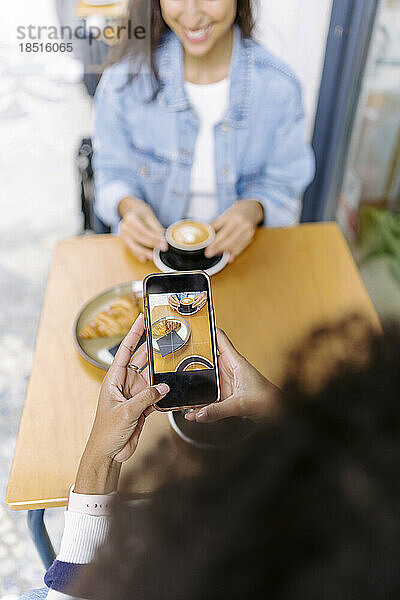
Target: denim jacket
145	149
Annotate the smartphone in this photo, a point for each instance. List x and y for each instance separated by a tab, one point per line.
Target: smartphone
181	340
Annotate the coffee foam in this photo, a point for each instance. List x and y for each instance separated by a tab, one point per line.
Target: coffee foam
190	235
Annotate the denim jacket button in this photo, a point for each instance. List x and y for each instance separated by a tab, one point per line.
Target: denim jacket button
143	169
224	128
225	171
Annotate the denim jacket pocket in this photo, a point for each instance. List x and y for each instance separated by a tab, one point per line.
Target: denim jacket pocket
151	173
149	168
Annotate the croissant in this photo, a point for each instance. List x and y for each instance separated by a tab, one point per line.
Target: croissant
116	320
165	327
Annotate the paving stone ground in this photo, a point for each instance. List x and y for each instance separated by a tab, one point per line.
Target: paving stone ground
43	117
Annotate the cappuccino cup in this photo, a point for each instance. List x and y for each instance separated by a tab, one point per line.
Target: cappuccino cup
187	241
185	305
210	436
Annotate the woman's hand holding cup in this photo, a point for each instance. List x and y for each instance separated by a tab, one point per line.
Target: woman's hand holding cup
235	228
200	300
173	302
140	228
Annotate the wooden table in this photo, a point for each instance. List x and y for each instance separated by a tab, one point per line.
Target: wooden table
288	281
199	343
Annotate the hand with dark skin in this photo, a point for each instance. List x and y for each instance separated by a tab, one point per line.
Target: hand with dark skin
236	228
140	229
244	391
125	400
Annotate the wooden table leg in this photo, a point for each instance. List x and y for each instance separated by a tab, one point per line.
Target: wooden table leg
40	536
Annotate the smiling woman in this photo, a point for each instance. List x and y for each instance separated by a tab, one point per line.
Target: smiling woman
198	30
204	33
215	115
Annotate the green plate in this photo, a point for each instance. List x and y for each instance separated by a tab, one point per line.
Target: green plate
96	351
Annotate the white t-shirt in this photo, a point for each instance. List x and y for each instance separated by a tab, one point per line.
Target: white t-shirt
210	101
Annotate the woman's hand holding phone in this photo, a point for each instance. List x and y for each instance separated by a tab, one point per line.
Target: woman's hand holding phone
244	391
125	400
140	228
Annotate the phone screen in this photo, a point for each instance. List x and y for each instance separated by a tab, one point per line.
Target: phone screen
182	339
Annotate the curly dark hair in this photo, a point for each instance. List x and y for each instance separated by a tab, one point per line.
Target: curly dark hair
139	11
308	507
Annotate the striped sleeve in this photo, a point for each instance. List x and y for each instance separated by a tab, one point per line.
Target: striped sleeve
83	535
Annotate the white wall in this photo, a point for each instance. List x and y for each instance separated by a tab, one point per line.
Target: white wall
296	31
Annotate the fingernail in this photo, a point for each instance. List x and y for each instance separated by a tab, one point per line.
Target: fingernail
190	416
202	415
162	388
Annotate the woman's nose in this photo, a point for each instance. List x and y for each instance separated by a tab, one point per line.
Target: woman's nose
192	16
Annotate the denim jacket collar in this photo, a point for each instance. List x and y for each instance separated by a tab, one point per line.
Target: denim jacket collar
173	94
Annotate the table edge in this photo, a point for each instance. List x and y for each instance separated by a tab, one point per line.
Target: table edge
37	504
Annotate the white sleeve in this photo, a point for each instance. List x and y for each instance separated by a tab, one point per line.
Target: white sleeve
83	534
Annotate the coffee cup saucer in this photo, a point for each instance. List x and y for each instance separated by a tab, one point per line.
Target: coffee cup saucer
189	313
164	268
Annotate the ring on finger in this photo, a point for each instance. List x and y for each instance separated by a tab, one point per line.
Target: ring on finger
133	367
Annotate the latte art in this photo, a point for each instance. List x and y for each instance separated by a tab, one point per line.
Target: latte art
190	235
187	301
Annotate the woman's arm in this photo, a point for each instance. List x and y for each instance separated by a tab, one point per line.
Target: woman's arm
289	167
273	196
125	401
118	190
84	533
113	173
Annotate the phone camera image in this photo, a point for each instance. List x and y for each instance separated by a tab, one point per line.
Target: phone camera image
181	339
180	332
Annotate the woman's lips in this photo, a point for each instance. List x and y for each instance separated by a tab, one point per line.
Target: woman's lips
196	36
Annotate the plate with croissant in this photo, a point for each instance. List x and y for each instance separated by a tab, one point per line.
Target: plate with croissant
105	320
166	325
